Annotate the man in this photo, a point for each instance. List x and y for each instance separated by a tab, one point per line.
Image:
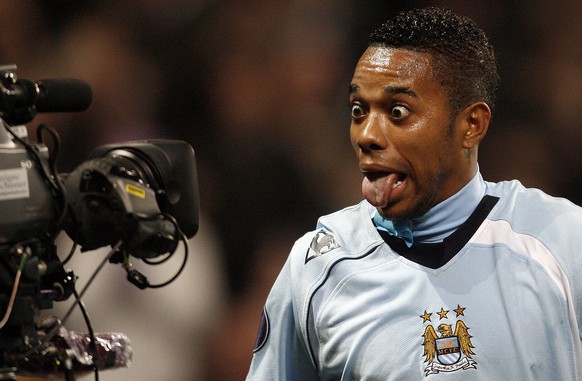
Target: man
437	274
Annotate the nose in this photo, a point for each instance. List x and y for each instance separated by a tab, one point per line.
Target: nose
370	135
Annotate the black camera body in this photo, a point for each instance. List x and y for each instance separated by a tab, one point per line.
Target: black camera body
142	195
27	204
116	193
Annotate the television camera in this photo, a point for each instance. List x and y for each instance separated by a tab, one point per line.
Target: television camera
139	197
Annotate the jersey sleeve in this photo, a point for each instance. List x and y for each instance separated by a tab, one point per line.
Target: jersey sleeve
280	352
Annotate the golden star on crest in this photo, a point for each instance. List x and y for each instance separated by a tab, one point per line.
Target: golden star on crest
459	310
443	313
426	316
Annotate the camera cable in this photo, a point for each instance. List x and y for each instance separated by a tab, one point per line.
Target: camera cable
24	253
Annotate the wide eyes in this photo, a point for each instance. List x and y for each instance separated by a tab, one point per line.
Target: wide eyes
357	111
397	112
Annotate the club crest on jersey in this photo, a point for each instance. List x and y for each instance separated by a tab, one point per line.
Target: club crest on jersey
446	350
323	242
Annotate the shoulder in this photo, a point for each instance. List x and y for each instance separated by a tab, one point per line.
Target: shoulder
555	222
530	205
543	228
346	232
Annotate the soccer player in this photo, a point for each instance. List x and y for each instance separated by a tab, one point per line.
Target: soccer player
437	274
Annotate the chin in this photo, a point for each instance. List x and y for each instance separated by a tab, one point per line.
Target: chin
393	213
400	211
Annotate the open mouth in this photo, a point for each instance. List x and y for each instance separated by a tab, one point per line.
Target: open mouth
396	178
382	187
400	177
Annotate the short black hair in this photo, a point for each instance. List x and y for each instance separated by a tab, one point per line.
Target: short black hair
463	60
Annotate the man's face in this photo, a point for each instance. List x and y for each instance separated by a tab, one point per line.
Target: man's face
409	149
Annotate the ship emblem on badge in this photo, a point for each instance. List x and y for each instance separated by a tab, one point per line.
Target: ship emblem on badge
446	350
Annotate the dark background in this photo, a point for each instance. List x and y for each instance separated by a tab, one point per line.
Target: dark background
259	89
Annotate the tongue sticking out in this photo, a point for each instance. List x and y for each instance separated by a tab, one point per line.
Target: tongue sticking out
378	187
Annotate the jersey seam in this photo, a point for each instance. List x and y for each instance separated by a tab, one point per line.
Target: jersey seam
323	280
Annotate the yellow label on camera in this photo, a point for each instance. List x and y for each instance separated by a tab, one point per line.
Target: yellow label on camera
135	191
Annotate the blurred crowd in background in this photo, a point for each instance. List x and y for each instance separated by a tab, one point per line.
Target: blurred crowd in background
259	89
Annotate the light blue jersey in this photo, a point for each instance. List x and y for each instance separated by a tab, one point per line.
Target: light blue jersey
500	299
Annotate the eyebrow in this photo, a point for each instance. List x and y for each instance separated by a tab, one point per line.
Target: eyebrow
392	90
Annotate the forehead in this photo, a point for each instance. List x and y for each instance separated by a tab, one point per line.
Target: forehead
382	67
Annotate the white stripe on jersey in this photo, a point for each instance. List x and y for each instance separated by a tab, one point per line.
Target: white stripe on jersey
500	232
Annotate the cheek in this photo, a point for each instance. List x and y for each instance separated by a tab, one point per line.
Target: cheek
353	136
426	155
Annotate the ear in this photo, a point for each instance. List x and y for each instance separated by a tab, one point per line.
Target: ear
475	121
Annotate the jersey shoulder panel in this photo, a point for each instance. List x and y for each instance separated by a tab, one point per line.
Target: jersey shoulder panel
533	212
544	230
348	233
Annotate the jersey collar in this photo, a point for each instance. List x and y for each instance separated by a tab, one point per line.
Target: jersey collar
441	220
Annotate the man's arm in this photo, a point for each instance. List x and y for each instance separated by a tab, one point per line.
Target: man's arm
280	353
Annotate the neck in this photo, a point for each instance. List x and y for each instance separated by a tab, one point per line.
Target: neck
445	217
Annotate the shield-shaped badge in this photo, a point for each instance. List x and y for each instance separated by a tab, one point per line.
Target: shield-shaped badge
448	350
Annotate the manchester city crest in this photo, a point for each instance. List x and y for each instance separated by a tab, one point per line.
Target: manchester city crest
447	349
